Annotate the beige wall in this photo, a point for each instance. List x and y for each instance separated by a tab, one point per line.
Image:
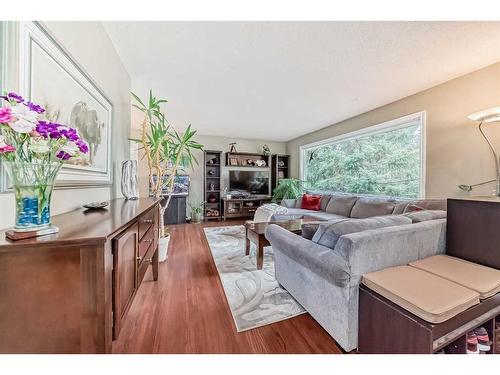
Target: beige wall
209	143
89	44
455	151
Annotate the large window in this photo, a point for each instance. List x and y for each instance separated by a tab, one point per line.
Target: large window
384	159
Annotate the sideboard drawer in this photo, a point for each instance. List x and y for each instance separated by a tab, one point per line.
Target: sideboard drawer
145	222
144	263
145	243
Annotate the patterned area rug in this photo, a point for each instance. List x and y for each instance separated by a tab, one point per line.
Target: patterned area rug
254	296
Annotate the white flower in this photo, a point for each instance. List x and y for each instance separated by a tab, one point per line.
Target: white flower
25	119
22	126
2	141
41	146
70	148
21	112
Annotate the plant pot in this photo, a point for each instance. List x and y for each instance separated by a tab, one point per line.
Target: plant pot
196	217
163	243
32	184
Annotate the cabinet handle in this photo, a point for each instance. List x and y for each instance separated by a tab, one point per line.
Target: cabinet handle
138	258
149	260
149	221
149	240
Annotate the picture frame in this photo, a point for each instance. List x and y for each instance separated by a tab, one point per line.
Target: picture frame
233	161
281	174
51	77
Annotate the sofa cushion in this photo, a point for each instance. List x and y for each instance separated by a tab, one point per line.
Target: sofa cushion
341	204
289	203
419	216
400	207
298	202
325	198
484	280
329	233
434	300
431	204
324	216
410	207
309	228
368	207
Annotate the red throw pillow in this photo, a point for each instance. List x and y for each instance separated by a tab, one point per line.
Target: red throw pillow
311	202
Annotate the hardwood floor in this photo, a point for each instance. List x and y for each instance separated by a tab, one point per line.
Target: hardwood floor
186	310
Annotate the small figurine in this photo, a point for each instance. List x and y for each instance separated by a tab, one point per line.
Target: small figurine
266	150
233	148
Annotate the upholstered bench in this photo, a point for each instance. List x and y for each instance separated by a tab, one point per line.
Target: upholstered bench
483	280
427	305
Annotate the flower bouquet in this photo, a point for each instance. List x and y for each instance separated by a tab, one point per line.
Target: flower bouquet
33	150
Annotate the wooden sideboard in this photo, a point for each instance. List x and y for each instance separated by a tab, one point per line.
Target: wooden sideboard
70	292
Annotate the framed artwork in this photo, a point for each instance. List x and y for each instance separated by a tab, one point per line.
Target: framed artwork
49	76
233	161
281	174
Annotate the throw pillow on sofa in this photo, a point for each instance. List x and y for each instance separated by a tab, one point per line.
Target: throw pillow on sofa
341	204
311	202
425	215
412	208
369	207
328	234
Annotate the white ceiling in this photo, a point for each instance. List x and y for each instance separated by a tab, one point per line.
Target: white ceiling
280	80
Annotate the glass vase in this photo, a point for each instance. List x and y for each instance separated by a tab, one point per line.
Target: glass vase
129	179
32	184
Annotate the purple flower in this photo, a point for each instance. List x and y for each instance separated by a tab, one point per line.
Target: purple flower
82	146
16	97
63	155
48	129
69	133
34	107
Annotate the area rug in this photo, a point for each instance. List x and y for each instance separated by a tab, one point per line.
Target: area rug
254	296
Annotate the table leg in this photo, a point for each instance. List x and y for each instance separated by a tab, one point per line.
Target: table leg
247	246
260	254
155	262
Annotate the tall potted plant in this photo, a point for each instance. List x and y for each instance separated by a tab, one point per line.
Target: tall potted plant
34	149
167	152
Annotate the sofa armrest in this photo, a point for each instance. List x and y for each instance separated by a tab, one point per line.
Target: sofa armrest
376	249
319	259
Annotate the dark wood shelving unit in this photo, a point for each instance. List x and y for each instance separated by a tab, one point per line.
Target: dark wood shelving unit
279	169
212	184
238	208
247	160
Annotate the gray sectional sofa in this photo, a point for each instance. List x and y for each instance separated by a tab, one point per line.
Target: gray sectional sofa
323	268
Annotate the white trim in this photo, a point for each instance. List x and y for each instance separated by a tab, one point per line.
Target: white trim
394	124
31	33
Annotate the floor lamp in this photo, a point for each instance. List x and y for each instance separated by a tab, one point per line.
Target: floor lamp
484	117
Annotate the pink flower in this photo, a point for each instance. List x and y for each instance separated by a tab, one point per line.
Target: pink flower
6	149
5	114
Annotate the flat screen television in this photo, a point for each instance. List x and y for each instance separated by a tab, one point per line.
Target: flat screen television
249	182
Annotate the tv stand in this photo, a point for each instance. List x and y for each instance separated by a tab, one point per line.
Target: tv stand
238	208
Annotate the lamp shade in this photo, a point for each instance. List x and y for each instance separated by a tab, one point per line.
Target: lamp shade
486	115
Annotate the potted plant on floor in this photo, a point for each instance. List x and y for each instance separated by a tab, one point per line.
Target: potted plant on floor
196	211
288	188
167	152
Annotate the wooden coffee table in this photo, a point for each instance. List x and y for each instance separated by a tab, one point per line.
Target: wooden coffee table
255	232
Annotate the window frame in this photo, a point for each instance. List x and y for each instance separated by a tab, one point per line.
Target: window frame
395	124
